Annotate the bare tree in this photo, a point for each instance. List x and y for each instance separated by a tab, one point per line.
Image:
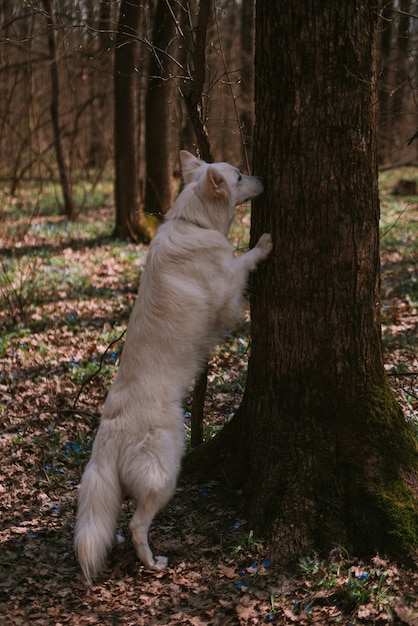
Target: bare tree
193	97
158	126
398	111
247	71
63	168
129	222
194	104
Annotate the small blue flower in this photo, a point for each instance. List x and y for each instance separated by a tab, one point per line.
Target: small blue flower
239	586
266	563
362	576
235	526
71	316
48	467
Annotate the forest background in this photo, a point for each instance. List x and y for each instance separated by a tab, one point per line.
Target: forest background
61	83
66	288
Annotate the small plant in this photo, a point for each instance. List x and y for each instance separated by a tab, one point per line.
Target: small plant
342	585
247	542
75	453
309	566
18	287
61	456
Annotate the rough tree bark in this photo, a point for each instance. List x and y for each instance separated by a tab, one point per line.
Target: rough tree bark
319	443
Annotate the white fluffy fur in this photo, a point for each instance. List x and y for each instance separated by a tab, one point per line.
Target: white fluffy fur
190	292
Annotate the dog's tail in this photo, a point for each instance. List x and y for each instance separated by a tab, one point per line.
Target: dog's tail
99	502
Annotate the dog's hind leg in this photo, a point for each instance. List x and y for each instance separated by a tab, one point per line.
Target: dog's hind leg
139	527
151	480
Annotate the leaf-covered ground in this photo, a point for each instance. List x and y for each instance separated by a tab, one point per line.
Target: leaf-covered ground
65	295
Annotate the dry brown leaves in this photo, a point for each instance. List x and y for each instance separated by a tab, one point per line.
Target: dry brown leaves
218	574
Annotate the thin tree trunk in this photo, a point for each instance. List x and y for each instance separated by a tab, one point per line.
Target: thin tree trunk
197	408
403	102
129	223
194	98
63	170
158	132
247	73
195	108
386	74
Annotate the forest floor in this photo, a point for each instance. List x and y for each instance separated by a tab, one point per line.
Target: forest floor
66	291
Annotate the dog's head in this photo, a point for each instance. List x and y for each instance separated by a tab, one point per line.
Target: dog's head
220	178
219	187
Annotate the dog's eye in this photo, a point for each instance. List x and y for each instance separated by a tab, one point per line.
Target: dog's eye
239	176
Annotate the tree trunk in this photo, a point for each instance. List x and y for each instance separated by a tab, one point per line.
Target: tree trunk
194	97
247	74
195	109
129	221
100	21
158	187
63	169
385	83
319	442
404	106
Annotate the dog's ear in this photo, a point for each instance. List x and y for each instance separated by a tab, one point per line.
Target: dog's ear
189	164
216	184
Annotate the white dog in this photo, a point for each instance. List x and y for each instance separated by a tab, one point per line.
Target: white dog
191	291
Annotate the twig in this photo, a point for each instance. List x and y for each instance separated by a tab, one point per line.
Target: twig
91	376
394	223
234	99
399	374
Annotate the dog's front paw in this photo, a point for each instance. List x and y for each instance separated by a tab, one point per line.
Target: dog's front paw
265	245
